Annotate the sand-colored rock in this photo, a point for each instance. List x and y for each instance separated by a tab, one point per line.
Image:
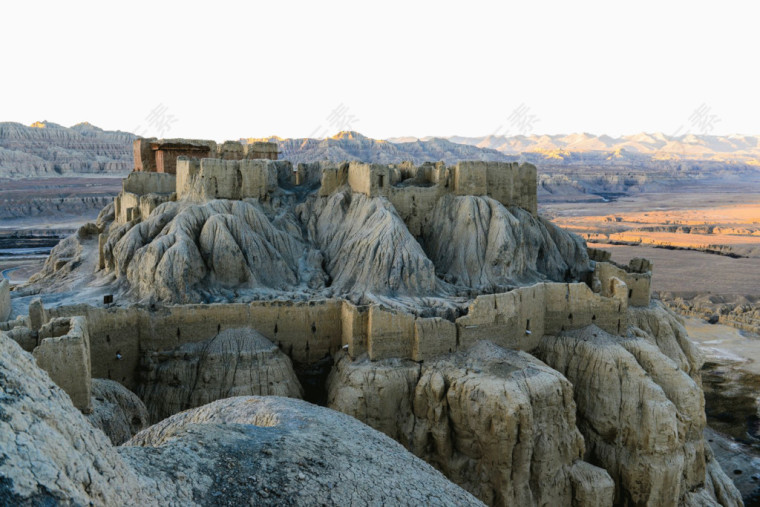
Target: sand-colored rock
116	411
182	249
641	415
665	329
476	242
497	422
245	450
368	248
236	362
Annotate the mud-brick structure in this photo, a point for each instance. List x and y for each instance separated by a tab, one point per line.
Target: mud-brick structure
160	155
114	339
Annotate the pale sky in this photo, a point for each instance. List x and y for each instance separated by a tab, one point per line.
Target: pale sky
225	70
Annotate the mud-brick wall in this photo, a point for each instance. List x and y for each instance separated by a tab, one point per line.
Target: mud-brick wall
574	306
639	283
514	319
415	205
305	331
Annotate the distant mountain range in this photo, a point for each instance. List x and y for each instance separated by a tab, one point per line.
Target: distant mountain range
355	146
49	149
657	146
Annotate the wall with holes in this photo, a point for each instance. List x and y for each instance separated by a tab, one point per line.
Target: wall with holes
308	331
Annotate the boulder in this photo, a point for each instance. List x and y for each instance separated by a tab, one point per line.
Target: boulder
117	411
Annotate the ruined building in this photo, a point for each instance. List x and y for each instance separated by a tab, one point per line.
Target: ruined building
171	170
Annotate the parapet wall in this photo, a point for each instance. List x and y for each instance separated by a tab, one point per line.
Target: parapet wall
637	277
308	331
517	319
305	331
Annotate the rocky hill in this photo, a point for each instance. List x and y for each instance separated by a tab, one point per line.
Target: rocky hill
421	301
48	149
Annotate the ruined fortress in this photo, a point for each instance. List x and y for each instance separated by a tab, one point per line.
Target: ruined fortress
78	342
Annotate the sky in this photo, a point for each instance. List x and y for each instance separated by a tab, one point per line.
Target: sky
225	70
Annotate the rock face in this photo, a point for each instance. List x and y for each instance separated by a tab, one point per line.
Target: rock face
117	411
47	149
238	451
478	243
236	362
344	245
497	422
368	248
641	414
5	300
501	423
221	243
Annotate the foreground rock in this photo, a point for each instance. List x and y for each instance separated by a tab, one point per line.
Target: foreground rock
117	411
49	452
497	422
236	362
263	451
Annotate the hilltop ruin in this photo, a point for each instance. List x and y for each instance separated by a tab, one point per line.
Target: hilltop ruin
415	298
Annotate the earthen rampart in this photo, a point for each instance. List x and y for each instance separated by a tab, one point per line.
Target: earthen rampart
308	331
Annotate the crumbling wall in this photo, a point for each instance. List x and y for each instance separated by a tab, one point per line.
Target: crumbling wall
141	193
415	205
372	180
64	353
511	184
260	149
305	331
144	158
514	319
142	183
354	324
414	190
575	306
637	277
389	333
308	331
332	177
225	179
433	337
